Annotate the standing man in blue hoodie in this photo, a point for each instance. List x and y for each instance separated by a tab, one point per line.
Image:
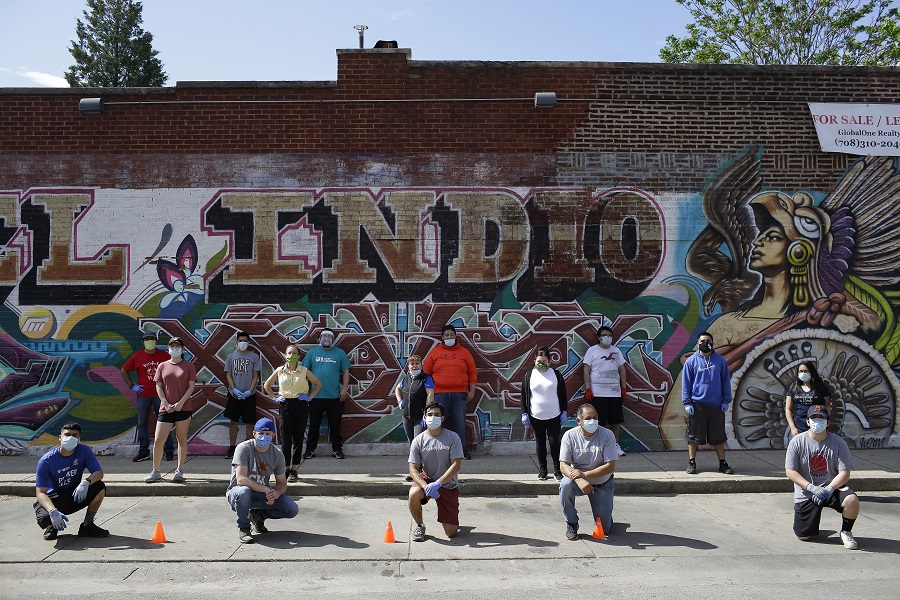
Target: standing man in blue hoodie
706	394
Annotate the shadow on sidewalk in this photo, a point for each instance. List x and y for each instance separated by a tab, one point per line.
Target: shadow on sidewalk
74	543
285	540
485	539
643	540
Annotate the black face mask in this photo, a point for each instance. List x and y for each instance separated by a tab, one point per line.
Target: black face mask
705	347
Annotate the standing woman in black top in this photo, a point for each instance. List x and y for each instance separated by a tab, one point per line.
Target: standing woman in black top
544	401
808	390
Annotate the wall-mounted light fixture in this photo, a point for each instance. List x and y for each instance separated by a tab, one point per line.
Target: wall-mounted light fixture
545	100
90	106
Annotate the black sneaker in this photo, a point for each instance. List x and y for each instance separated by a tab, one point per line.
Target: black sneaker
230	452
337	454
244	535
170	455
92	530
409	478
724	468
542	474
558	474
258	522
292	476
309	454
466	455
571	531
50	533
141	457
691	468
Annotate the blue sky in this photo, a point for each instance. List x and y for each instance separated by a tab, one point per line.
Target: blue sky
274	40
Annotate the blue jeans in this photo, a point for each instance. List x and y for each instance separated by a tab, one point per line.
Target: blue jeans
601	501
144	406
454	404
242	500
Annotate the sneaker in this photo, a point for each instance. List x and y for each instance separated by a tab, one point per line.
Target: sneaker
409	478
309	454
691	468
849	541
558	474
466	455
419	533
542	474
141	457
292	476
230	452
50	533
170	455
92	530
619	450
337	454
244	535
571	531
724	468
178	477
258	522
153	476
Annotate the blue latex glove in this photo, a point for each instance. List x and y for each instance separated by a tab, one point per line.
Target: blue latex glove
431	490
58	519
724	407
279	399
236	393
525	420
80	492
304	398
689	408
564	417
820	494
137	388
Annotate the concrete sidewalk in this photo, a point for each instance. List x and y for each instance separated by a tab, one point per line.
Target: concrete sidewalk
756	471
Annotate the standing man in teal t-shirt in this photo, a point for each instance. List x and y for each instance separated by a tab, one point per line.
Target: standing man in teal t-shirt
330	364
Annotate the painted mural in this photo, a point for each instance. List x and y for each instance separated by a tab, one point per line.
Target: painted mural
778	277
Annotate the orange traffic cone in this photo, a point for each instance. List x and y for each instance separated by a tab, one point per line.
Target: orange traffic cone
389	534
598	531
159	536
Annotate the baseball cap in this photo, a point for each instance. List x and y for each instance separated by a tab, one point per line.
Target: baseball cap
264	424
817	411
148	335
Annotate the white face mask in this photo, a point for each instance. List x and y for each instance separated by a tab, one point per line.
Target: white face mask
175	351
805	376
242	346
433	422
606	340
415	372
450	343
818	425
590	425
68	442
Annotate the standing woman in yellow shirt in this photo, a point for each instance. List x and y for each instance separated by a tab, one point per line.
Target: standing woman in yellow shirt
293	397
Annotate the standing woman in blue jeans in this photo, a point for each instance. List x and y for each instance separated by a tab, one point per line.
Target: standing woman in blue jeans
544	401
293	398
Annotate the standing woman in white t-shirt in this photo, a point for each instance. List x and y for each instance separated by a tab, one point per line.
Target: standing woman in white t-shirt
544	401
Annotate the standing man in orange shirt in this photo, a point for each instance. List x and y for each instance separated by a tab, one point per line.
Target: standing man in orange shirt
453	370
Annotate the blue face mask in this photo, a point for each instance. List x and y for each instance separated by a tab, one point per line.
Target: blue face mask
805	376
263	440
415	372
606	340
818	425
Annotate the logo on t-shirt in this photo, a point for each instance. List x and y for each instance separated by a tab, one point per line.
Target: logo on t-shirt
818	465
610	356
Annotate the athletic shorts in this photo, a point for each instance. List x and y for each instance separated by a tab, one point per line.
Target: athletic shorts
447	504
173	417
65	503
609	410
807	514
706	425
241	410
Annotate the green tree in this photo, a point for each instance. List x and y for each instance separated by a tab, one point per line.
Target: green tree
112	49
781	32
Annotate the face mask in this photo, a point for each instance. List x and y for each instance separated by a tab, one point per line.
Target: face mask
263	440
433	422
242	346
805	376
175	351
326	339
415	373
450	343
817	425
68	442
705	347
590	425
292	358
606	340
541	367
149	345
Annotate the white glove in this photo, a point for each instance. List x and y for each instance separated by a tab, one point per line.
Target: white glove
81	491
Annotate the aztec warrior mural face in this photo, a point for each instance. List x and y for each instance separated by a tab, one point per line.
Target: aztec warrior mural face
778	277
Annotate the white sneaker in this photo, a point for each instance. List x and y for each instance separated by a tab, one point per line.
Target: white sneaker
619	450
849	541
153	476
178	477
419	533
